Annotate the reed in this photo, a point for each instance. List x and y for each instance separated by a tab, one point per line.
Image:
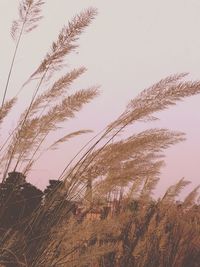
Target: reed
100	211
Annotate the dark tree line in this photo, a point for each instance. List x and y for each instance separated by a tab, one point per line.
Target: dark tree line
18	201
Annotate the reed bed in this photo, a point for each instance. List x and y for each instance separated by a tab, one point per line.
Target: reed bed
100	211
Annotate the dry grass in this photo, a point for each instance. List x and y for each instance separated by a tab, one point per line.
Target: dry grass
119	223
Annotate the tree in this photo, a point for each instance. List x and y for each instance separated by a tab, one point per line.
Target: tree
18	199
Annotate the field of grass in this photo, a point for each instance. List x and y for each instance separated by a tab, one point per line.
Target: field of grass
100	211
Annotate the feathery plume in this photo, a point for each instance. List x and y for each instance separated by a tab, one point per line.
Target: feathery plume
150	184
191	197
156	98
66	42
29	16
6	108
174	190
33	130
67	137
58	89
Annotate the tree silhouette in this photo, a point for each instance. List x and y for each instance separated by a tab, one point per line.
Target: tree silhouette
18	199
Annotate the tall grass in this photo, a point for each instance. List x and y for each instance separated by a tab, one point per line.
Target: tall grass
100	211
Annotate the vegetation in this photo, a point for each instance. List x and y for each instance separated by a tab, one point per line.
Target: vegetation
100	211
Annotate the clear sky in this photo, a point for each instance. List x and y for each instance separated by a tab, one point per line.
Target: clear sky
130	45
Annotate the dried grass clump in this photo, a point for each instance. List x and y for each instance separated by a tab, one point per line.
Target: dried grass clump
100	212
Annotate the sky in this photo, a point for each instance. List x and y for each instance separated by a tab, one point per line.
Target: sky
129	46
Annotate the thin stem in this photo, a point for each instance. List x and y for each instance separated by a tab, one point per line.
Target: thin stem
100	150
74	157
24	120
13	59
31	161
93	146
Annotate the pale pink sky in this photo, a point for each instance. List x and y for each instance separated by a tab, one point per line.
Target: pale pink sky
131	45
